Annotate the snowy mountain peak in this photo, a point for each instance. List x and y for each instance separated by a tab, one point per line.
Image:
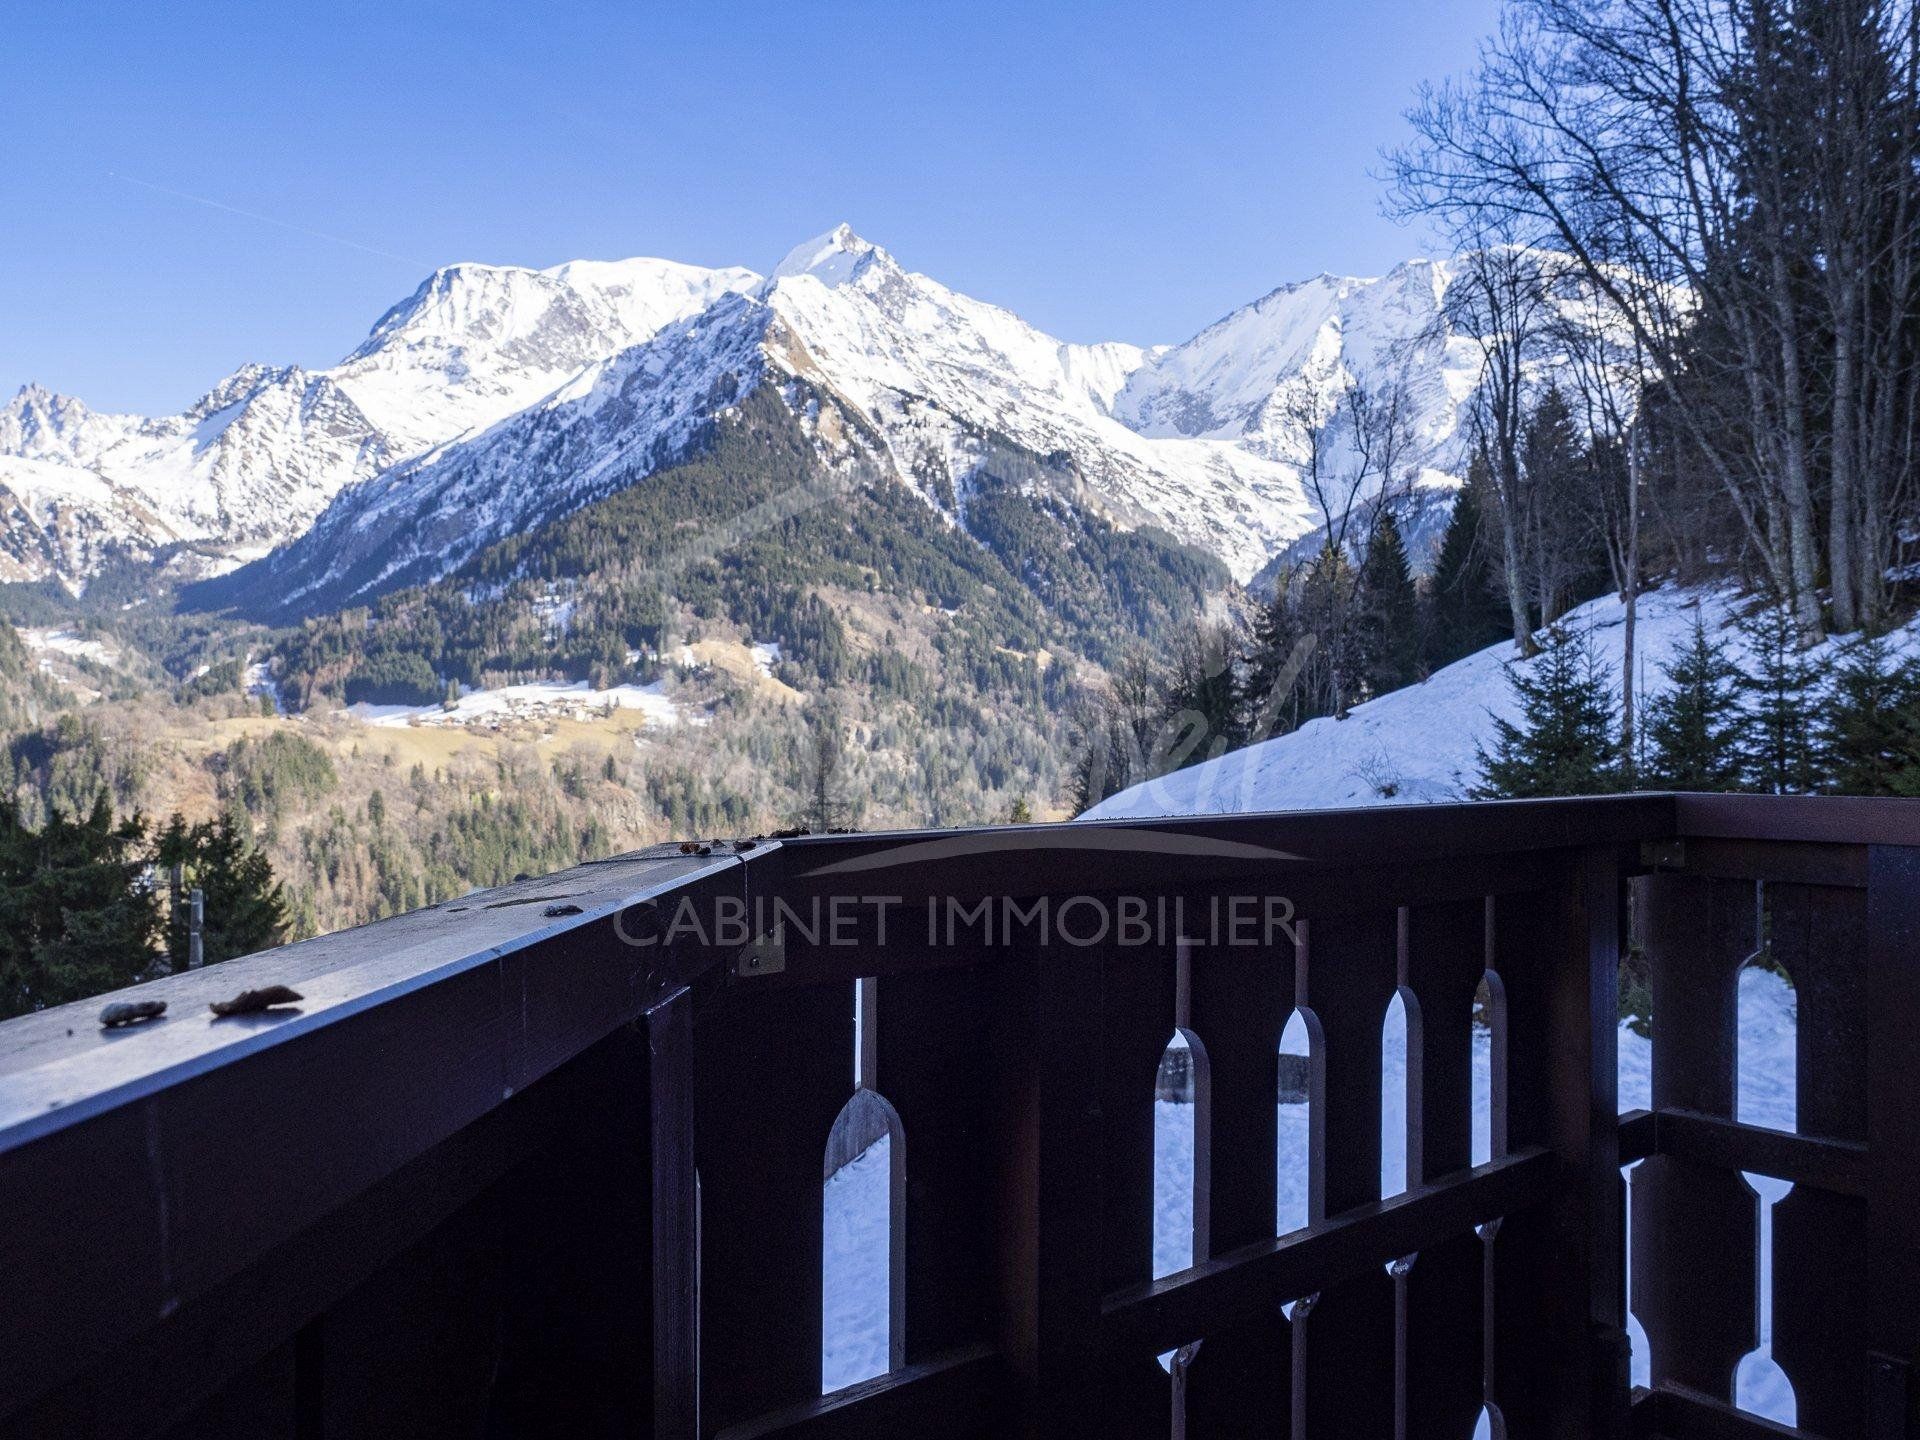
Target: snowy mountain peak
243	383
833	258
468	303
645	294
1250	377
42	424
34	399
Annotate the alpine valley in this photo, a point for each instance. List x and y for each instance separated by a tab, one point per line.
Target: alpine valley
571	559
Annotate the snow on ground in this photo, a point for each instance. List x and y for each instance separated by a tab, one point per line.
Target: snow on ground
856	1308
855	1301
557	611
1421	744
766	655
260	681
48	642
491	709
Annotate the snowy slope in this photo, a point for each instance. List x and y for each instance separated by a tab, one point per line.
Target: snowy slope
475	343
58	518
1419	744
611	424
1247	377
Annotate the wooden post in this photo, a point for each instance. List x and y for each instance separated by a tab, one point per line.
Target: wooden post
1893	1139
1561	1347
676	1210
1047	1145
176	885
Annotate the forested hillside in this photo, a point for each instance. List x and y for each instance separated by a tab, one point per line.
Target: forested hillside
752	533
802	646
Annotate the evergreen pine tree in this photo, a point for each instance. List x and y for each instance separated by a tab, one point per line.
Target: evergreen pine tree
1387	622
1466	609
1203	701
76	916
824	777
243	908
1871	733
1121	737
1694	729
1565	742
1335	674
1779	752
1277	655
1558	543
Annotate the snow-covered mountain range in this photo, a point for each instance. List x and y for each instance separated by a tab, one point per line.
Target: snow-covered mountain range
496	397
251	463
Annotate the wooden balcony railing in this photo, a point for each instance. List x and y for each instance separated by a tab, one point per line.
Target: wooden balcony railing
548	1159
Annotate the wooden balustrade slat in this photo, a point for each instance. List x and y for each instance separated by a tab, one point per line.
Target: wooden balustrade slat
1048	1152
1138	1004
572	1351
1446	956
1821	1272
1136	1023
1446	1338
1696	1230
1699	933
674	1219
1560	1350
1346	1368
934	1045
1696	1224
772	1070
1818	934
1241	996
1892	1320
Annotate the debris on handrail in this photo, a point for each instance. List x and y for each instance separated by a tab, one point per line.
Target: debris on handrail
251	1002
122	1013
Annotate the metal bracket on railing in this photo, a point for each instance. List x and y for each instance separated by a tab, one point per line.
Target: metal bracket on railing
1663	854
767	955
1886	1397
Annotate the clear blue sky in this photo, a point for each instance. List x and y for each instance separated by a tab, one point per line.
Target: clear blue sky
1120	171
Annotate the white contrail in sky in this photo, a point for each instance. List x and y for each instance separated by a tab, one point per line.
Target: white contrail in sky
269	220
